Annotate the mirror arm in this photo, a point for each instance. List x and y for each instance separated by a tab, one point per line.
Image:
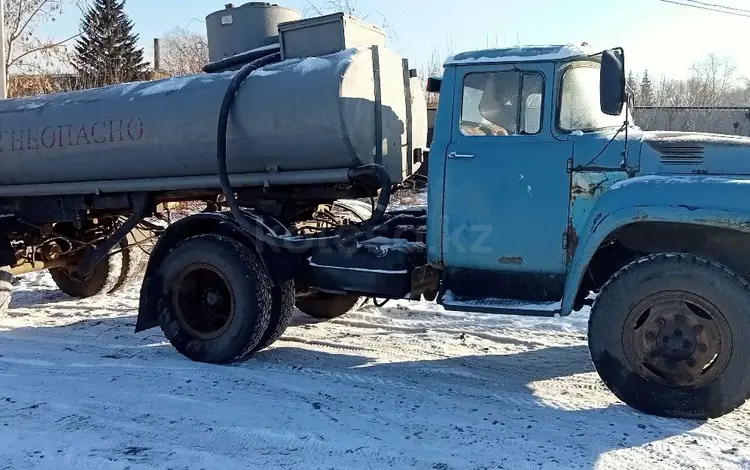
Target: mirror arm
628	109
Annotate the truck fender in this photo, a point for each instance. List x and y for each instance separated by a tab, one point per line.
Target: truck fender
709	202
283	266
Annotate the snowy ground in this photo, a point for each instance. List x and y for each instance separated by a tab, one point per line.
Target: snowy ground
396	387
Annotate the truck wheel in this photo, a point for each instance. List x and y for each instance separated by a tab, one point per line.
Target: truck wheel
668	334
101	281
6	289
134	262
327	306
282	312
216	303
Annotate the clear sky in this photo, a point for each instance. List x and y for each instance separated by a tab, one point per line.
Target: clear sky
659	36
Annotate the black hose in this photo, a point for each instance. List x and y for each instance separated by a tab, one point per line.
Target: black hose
373	171
384	180
403	220
239	59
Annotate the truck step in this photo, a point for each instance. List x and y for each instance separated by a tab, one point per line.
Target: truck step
452	302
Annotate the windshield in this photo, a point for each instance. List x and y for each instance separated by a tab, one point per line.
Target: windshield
579	107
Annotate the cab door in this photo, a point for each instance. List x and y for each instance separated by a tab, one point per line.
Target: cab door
507	184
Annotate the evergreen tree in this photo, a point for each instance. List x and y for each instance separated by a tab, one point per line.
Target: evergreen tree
633	84
647	92
107	52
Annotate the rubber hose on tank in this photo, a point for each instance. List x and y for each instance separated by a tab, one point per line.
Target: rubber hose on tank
238	59
372	170
384	179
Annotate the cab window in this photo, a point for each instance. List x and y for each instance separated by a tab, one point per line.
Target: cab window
501	104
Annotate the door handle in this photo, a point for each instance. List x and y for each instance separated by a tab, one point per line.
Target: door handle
460	155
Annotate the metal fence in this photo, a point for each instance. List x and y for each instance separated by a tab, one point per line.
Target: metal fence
718	120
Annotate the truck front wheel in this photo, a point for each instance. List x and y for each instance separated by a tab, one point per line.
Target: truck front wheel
668	334
216	301
327	306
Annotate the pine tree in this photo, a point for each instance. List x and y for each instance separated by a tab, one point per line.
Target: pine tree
647	92
633	83
107	52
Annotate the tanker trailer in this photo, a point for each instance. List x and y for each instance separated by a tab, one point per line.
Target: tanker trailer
82	171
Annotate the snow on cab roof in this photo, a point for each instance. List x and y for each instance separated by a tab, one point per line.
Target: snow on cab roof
523	54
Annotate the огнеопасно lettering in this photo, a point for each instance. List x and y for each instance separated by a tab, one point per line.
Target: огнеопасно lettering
71	135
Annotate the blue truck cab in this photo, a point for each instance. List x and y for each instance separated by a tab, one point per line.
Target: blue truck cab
544	197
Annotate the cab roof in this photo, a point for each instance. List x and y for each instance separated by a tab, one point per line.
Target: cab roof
523	54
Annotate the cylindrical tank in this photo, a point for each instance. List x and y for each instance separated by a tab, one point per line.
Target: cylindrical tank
311	114
234	30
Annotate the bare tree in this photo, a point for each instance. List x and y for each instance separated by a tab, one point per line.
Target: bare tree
433	68
183	52
25	49
713	82
713	79
352	8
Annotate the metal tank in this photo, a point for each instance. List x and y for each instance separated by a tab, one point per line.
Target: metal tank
235	30
303	119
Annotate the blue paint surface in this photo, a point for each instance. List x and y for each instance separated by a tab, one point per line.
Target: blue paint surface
700	200
542	204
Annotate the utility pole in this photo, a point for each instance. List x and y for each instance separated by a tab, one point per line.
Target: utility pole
4	74
157	55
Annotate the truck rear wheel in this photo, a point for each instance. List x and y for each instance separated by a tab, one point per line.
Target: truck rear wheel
6	289
327	306
134	262
282	312
217	300
668	334
102	279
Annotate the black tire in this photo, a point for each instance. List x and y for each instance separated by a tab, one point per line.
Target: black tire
6	289
101	281
327	306
282	312
668	334
134	262
226	321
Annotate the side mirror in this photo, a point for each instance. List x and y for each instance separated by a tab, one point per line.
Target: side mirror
612	95
433	85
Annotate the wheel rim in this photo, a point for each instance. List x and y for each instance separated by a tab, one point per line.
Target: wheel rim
203	301
677	339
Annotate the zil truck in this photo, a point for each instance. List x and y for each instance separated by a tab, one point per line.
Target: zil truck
542	199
